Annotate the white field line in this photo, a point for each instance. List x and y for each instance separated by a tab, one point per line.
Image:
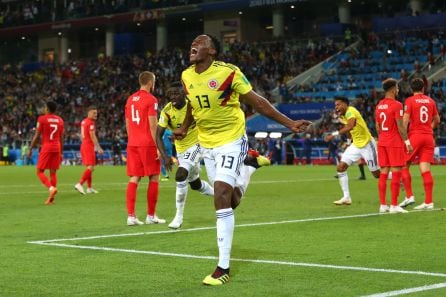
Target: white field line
213	227
208	228
409	290
273	262
54	242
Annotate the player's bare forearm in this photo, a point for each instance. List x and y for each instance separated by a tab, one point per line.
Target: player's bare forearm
401	129
264	107
435	122
152	127
160	142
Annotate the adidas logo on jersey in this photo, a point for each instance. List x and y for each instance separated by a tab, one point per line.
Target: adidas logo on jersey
191	86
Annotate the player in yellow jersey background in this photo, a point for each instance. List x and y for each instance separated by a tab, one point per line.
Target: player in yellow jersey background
363	145
214	90
188	151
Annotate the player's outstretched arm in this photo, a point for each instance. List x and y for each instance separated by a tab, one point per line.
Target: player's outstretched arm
162	148
264	107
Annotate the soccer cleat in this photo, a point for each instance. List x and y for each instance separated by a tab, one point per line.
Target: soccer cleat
397	209
256	160
154	220
176	223
383	208
343	201
79	188
407	201
263	161
92	191
133	221
219	277
424	206
53	192
361	178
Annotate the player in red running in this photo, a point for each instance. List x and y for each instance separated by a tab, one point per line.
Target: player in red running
422	114
391	142
142	153
89	144
50	127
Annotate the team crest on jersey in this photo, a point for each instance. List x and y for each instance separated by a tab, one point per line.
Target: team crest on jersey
213	84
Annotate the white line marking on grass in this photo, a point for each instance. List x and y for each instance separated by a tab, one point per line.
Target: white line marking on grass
409	290
208	228
213	227
286	263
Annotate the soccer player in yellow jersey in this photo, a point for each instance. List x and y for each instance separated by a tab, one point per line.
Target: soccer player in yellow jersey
363	145
188	151
213	89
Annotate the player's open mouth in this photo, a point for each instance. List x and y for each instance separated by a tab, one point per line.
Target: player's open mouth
193	52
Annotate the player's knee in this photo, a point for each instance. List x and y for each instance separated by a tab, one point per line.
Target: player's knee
181	174
342	167
195	184
376	173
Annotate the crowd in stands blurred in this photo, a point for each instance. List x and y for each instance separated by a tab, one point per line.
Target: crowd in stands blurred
17	13
107	82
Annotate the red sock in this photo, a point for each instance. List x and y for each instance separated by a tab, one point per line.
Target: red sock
382	188
152	198
85	176
407	181
90	176
53	178
428	182
395	187
131	198
43	178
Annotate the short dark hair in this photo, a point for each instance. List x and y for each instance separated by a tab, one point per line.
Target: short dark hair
417	85
51	106
343	99
215	44
175	84
91	107
389	83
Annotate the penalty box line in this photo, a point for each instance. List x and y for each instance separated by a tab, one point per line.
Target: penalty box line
57	243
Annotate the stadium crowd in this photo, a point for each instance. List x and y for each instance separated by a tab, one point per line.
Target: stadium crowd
107	82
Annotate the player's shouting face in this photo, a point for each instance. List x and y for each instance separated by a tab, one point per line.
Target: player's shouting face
340	107
201	49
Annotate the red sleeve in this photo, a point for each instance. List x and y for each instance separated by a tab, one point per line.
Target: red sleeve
408	108
153	106
398	109
39	124
435	108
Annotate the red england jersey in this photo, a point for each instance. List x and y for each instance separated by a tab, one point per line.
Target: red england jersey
387	111
51	128
421	110
87	125
138	108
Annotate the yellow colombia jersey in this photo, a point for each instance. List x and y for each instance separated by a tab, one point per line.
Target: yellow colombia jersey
214	97
172	118
360	133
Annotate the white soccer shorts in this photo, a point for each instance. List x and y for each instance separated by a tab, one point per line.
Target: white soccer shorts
225	163
190	160
368	152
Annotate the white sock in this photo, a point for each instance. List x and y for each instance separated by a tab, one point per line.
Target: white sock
246	172
180	198
343	181
206	188
225	231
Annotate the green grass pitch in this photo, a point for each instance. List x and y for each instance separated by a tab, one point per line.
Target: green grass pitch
289	240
